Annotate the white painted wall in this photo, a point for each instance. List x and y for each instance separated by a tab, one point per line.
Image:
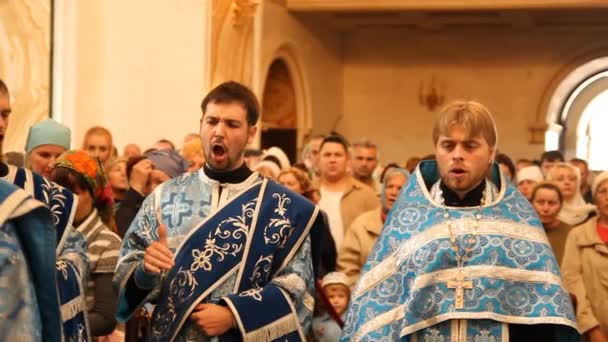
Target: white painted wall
137	67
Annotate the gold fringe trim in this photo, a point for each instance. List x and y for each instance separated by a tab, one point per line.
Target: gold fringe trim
274	330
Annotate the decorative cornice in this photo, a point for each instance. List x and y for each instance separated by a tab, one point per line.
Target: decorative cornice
407	5
244	11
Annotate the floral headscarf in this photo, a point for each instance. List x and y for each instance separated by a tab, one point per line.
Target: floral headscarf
90	170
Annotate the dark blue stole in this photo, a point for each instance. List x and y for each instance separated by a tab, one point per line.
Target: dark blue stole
73	302
61	203
254	235
59	200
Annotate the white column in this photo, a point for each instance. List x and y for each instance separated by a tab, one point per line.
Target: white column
64	63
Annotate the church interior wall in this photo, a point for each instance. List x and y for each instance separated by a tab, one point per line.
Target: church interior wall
141	73
507	70
317	52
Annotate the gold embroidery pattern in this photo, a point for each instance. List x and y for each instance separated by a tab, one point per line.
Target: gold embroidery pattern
253	293
278	230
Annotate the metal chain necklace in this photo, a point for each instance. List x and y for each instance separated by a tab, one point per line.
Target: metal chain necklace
459	284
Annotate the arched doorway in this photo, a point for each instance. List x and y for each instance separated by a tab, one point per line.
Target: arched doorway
577	114
279	110
592	139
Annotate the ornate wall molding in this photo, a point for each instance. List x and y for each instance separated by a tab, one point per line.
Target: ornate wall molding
287	53
391	5
25	65
232	40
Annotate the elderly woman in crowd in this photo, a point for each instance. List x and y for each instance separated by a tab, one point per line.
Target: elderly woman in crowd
46	141
84	176
359	239
585	266
527	178
574	209
547	201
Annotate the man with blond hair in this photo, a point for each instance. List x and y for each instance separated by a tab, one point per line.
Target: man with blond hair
462	255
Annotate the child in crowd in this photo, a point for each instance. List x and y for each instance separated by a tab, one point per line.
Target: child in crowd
335	287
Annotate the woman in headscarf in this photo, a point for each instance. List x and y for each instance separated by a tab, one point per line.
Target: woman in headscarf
547	201
84	176
360	238
574	209
585	266
46	141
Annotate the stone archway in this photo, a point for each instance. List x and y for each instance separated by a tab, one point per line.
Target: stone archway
567	104
280	110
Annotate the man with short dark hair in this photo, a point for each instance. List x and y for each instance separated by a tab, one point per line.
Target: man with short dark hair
343	198
548	160
462	255
222	251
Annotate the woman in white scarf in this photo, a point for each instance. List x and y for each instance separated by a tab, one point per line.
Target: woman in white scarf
568	179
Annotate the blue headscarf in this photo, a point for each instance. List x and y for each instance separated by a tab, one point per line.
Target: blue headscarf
168	161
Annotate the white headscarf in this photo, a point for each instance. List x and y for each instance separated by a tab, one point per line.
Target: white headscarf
575	210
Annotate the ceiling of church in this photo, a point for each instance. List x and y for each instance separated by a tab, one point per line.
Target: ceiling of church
438	20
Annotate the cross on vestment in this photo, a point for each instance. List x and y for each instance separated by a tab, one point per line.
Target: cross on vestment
459	284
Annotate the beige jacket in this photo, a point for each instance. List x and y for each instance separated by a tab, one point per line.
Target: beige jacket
357	199
358	242
585	273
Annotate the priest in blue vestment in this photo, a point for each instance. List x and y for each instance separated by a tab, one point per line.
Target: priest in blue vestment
29	308
223	253
462	255
70	245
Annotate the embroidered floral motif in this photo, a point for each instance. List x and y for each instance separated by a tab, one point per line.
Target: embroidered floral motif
253	293
261	270
279	229
234	229
433	335
63	267
484	336
182	286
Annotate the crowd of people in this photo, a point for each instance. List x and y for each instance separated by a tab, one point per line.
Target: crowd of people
212	238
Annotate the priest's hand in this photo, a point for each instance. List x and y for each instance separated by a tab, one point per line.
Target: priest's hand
157	256
213	319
